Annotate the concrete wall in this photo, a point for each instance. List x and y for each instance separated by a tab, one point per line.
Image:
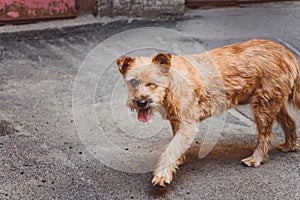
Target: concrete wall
141	8
20	11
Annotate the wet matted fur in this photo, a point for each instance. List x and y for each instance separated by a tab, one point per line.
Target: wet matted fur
260	73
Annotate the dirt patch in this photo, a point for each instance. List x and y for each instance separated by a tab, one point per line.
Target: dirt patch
6	128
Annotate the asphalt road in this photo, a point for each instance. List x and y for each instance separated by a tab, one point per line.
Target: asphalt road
47	154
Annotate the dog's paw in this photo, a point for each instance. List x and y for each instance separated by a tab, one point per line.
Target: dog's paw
252	162
286	147
160	180
163	176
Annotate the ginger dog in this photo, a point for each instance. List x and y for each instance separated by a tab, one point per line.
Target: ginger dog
260	73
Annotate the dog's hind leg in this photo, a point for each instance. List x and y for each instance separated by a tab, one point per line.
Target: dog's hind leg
170	159
265	108
288	126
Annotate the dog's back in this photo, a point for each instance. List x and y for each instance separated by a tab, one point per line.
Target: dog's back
259	67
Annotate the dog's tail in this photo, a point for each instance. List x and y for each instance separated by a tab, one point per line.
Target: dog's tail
294	98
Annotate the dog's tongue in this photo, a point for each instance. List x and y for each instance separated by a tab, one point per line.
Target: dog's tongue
144	115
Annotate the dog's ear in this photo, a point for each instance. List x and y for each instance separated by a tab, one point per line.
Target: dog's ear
124	64
163	59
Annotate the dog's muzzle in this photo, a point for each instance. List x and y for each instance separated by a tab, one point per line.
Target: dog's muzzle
144	112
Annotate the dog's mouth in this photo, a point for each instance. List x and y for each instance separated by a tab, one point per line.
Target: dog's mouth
144	114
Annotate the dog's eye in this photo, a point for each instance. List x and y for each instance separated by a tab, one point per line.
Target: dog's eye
133	82
151	85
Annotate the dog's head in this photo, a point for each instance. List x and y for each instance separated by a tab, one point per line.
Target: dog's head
147	80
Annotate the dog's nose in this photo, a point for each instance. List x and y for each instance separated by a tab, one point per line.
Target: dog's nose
142	103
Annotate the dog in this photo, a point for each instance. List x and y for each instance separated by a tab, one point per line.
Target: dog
261	73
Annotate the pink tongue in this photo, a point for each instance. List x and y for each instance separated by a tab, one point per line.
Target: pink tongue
144	115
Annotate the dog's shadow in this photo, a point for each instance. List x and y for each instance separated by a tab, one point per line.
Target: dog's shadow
227	153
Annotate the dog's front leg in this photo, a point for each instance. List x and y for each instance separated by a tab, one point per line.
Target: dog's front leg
179	144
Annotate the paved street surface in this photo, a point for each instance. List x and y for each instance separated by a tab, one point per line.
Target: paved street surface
43	155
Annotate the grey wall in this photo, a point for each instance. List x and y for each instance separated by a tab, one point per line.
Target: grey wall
141	8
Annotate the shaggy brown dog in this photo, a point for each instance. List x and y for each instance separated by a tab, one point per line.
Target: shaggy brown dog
261	73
